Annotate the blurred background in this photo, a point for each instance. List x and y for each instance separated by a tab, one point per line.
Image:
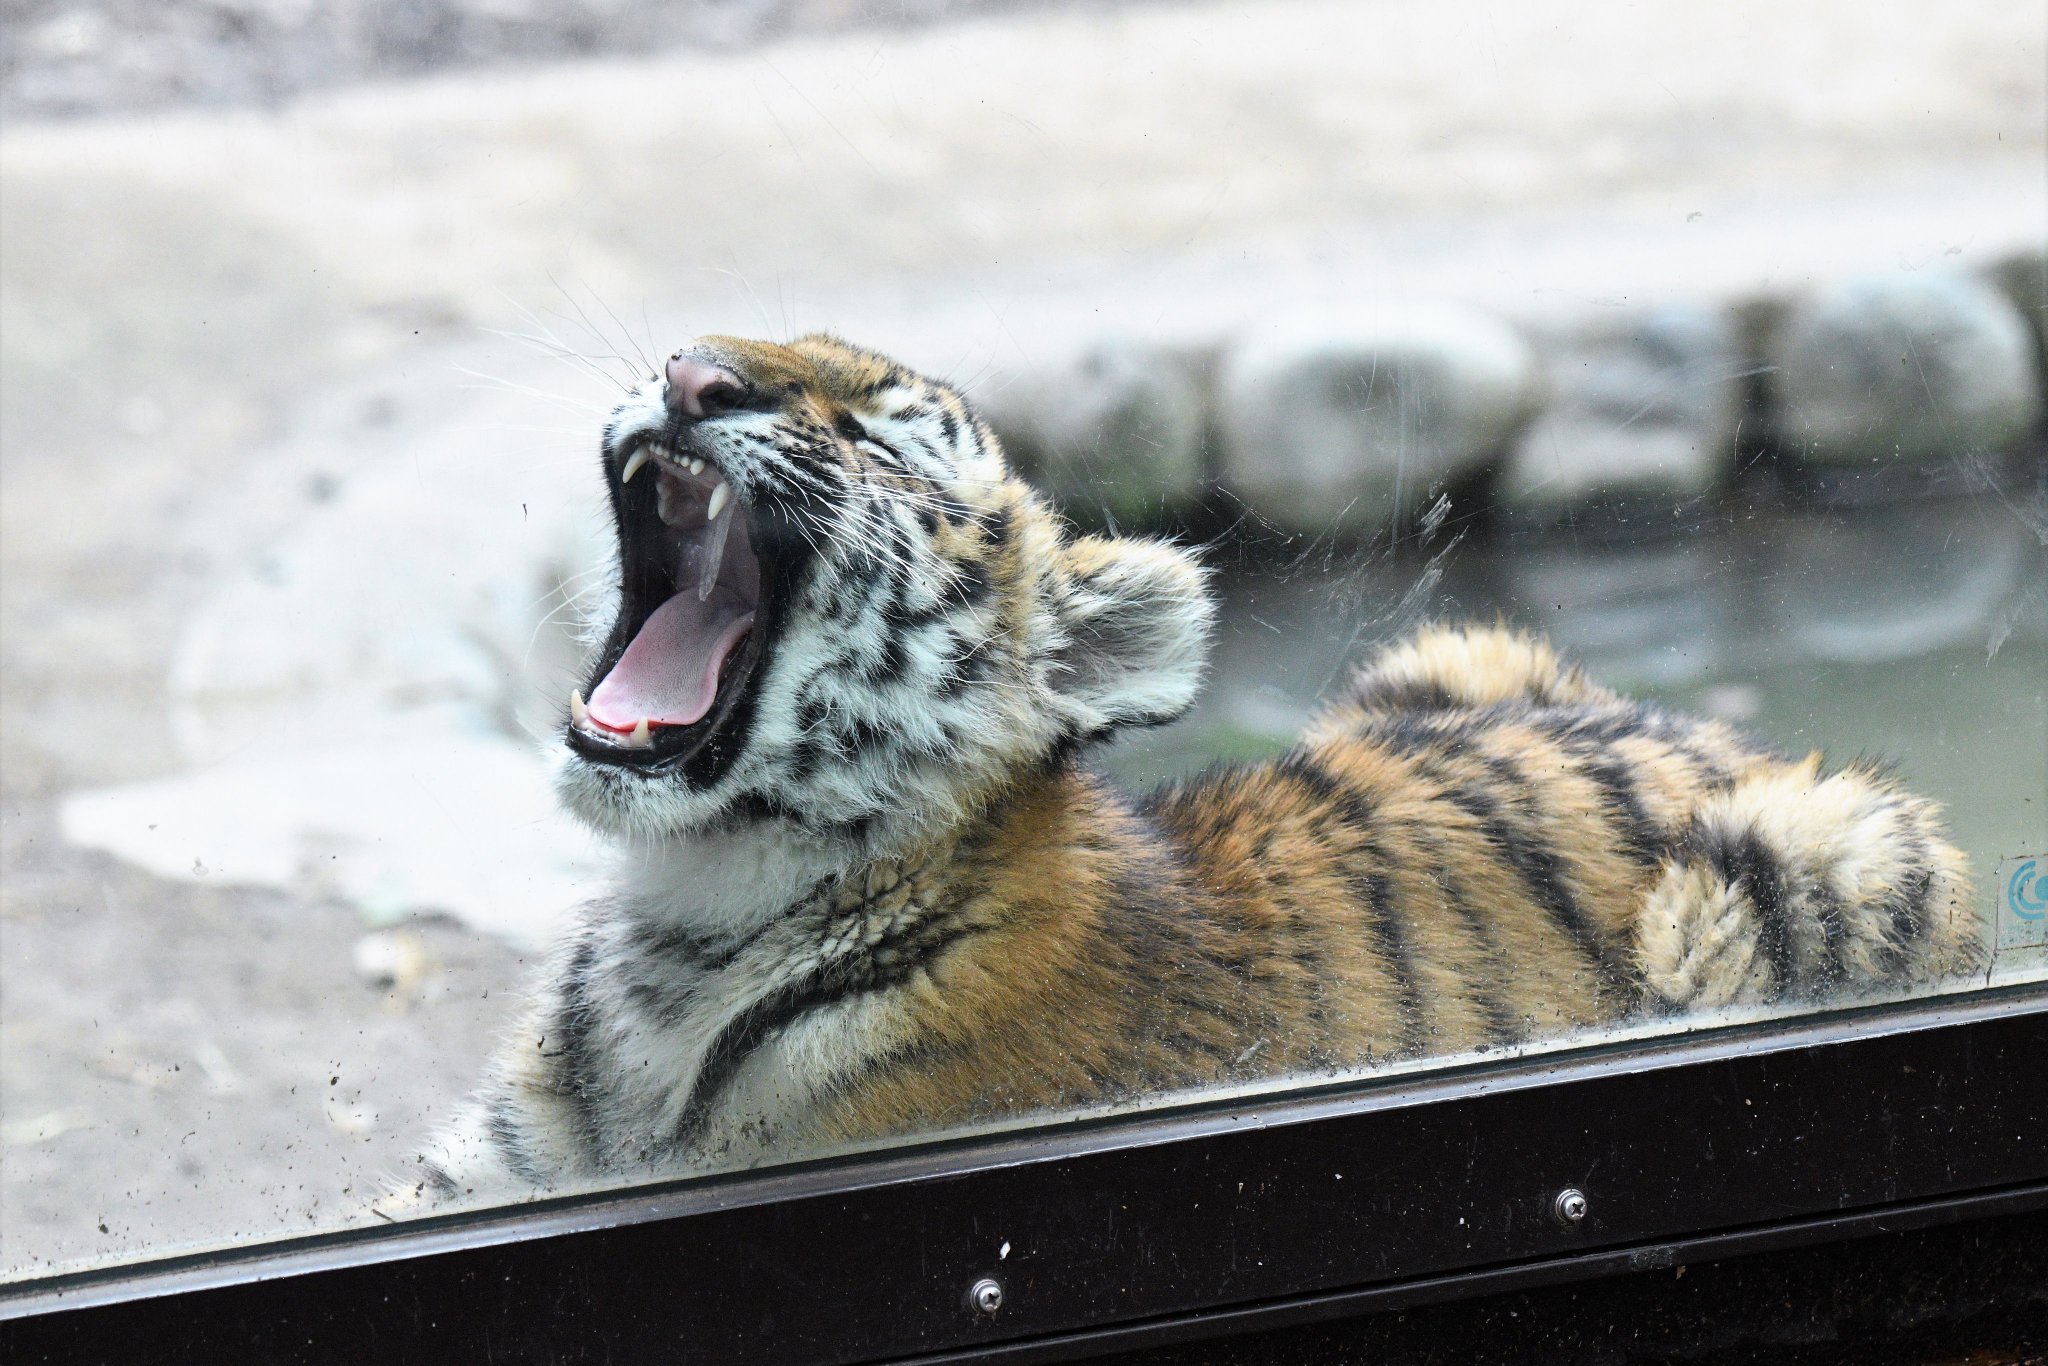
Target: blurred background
1706	339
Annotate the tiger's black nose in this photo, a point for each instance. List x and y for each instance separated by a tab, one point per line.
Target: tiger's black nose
699	389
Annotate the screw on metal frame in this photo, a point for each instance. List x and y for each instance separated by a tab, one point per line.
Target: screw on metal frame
986	1295
1569	1206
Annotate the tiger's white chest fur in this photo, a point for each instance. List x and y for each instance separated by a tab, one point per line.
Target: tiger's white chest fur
728	985
683	950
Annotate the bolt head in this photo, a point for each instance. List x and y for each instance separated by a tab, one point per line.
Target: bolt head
986	1295
1570	1205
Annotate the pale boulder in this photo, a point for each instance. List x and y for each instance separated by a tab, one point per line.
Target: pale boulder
1349	419
1113	431
1643	419
1902	368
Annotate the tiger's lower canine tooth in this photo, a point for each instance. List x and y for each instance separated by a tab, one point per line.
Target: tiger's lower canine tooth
642	737
633	464
578	712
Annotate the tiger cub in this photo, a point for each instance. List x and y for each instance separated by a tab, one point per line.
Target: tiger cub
867	886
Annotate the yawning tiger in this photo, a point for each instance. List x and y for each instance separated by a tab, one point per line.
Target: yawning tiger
869	886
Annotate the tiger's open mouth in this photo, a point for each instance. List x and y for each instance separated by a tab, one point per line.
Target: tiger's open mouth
690	631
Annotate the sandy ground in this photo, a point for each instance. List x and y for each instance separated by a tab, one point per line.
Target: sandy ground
207	319
209	1063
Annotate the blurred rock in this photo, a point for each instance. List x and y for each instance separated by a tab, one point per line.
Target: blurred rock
1642	420
2023	278
1902	368
1113	433
1347	419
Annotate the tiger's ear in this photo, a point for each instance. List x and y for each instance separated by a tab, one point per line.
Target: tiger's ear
1136	616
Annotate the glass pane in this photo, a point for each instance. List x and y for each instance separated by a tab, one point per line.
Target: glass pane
1703	349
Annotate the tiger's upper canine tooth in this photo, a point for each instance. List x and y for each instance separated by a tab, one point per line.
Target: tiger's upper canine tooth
642	737
712	555
578	711
634	462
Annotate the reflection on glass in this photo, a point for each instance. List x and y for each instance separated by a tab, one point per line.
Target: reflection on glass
1453	317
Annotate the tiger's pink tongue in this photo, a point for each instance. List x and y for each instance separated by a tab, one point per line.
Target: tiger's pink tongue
669	673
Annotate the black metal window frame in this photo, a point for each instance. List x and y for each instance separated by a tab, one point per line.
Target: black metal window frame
1057	1242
